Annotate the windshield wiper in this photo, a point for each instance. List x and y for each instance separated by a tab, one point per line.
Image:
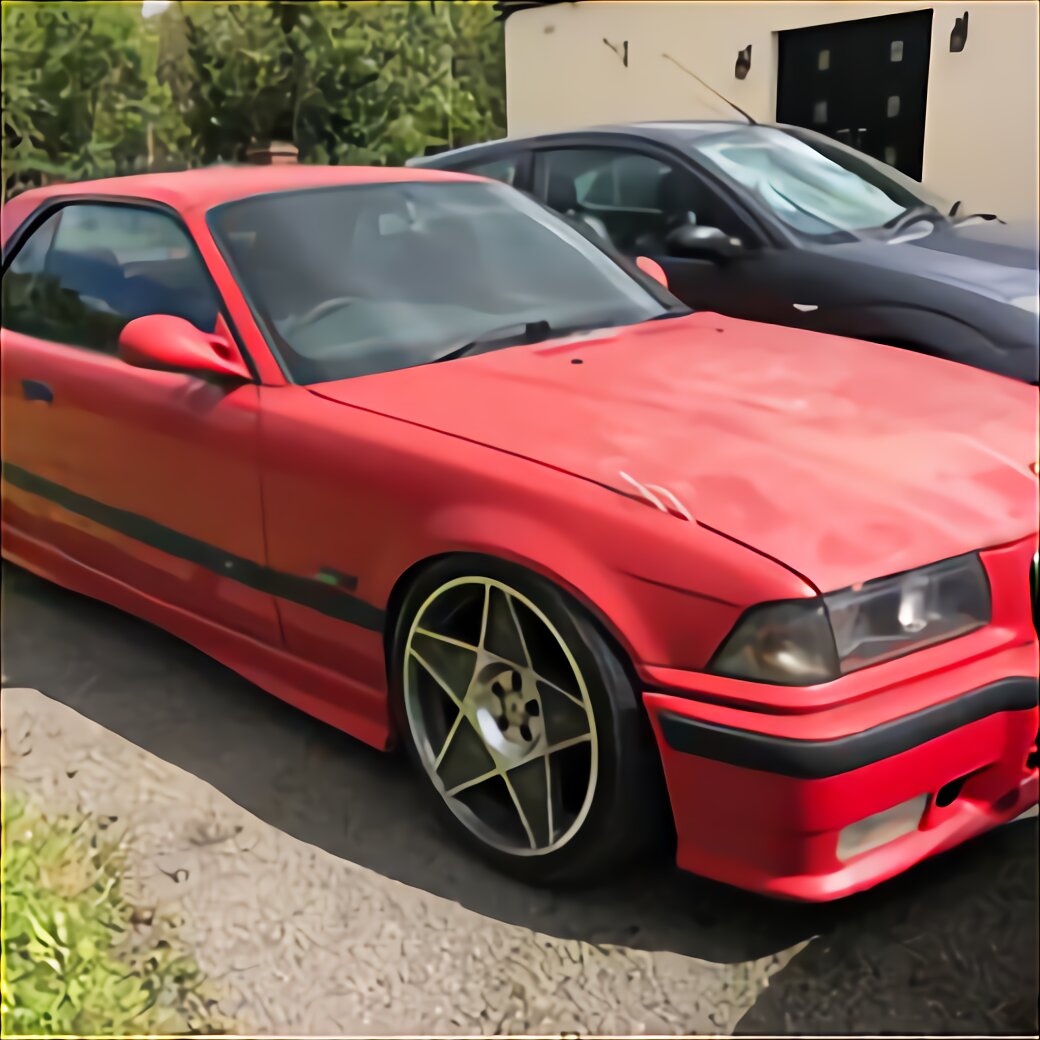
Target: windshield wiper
537	332
529	332
976	216
970	216
922	211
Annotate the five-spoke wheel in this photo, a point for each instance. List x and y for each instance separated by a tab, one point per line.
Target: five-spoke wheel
524	722
500	715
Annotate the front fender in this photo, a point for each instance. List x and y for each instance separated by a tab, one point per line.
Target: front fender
375	498
653	621
928	332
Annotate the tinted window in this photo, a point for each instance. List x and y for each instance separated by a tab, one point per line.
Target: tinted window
369	278
635	198
616	178
503	170
89	269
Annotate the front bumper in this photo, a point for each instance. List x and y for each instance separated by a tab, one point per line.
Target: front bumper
775	800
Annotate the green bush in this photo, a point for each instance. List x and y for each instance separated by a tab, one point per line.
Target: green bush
346	82
80	95
94	89
77	957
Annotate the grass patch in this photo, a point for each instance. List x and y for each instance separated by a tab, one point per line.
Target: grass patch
78	957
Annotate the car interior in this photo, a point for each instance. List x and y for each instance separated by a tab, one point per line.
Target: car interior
101	283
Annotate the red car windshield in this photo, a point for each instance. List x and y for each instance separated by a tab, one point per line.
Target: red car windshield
359	279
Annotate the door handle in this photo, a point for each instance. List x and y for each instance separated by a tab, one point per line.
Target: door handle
34	390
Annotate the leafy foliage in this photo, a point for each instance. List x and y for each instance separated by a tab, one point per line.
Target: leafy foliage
346	82
79	93
94	89
73	961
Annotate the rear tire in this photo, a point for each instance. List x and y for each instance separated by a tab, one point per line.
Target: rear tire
528	736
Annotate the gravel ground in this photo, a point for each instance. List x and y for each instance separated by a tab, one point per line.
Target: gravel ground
314	888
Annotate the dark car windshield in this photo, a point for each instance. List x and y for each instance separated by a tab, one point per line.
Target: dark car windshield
815	185
368	278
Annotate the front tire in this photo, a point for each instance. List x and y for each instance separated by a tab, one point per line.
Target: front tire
526	731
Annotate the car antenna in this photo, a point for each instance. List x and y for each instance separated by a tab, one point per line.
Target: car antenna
690	72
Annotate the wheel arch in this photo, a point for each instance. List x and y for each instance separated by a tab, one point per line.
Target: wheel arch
472	561
604	625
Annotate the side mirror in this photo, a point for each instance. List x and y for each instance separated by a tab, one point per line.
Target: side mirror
169	344
652	268
702	243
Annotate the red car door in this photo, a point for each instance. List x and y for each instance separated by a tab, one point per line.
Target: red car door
148	477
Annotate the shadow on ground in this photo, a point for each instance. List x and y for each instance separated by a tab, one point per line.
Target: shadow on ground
949	947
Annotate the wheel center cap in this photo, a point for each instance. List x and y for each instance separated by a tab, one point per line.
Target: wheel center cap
506	711
513	708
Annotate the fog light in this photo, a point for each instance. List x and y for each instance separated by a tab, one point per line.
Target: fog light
881	828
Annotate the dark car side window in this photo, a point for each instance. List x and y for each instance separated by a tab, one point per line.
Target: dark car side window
504	169
91	268
636	198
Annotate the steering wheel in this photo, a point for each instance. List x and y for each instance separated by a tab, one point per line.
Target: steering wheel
319	311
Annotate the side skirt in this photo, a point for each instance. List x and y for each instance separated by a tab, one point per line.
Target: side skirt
358	710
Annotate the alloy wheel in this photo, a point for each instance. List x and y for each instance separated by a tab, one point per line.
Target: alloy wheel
500	715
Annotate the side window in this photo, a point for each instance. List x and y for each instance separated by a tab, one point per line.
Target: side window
91	268
503	170
33	254
638	179
635	197
625	179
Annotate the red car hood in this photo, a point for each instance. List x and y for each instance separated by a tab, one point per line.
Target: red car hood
844	460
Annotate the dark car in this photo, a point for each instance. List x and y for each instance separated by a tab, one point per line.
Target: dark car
781	224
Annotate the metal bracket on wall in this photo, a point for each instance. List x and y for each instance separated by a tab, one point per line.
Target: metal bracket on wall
743	65
621	50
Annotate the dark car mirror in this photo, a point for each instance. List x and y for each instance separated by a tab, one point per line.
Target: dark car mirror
171	344
697	242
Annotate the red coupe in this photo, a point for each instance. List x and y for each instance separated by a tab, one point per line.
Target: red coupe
410	452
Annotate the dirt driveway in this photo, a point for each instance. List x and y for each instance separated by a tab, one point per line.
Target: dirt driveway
314	887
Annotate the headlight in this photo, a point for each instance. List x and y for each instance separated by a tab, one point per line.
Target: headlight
892	616
1027	303
789	642
800	642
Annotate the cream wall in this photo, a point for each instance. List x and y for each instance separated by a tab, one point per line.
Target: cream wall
981	116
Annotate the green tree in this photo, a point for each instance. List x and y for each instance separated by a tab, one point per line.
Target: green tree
345	82
94	89
79	94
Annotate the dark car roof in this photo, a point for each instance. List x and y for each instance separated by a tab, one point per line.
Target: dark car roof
662	130
668	127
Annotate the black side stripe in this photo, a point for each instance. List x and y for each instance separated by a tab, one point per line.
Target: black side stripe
317	595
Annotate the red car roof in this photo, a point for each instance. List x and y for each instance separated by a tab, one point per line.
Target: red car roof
205	188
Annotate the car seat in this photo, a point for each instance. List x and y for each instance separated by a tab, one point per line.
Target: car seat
562	196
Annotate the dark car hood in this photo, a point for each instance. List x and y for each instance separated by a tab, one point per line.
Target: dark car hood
998	261
845	460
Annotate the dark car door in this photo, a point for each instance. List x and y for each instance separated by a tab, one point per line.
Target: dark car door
634	196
